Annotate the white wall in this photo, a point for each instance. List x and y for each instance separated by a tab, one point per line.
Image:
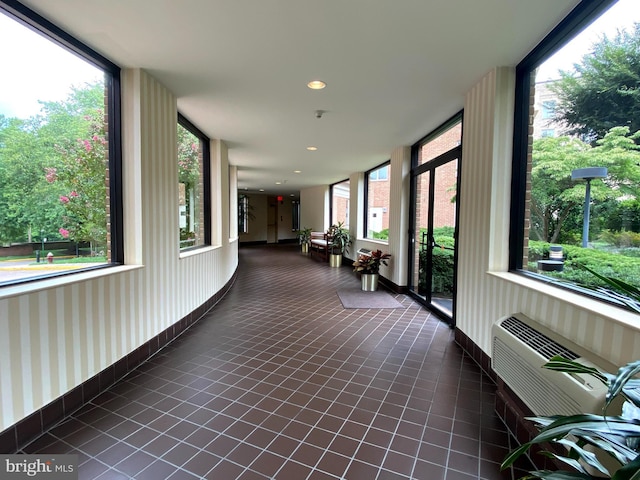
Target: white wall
58	333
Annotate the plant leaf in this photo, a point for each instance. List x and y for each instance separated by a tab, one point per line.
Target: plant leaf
587	424
630	471
559	475
561	364
585	455
514	455
624	375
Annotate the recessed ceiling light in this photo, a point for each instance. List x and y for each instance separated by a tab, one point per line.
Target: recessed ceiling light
297	171
311	148
278	183
262	189
316	84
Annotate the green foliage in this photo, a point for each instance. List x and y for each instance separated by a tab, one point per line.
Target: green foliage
615	436
30	150
604	90
625	215
188	157
340	238
381	235
557	201
82	173
303	235
443	265
609	264
189	179
369	264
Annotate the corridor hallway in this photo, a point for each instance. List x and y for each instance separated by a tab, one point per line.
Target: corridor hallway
278	380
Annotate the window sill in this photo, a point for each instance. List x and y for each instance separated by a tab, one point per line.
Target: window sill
591	305
374	241
198	251
63	280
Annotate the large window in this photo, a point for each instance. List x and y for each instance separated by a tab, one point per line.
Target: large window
340	203
377	191
193	183
60	180
576	175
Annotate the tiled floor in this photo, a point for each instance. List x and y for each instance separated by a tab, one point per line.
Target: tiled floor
280	381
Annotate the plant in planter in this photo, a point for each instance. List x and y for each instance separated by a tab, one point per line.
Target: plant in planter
617	437
595	446
304	238
339	241
369	267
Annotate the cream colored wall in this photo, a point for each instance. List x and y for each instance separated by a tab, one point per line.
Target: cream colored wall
314	208
59	333
486	291
257	231
285	220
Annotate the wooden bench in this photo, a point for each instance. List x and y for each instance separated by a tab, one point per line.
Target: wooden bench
319	245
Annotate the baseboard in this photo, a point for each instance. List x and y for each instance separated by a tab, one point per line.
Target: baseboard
26	430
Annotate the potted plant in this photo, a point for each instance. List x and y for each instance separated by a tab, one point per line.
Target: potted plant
595	446
339	240
584	441
304	238
368	265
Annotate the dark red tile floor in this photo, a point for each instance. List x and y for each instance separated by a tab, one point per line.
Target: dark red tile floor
279	381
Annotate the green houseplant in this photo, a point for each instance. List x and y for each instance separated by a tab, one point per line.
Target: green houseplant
339	240
615	438
369	267
304	238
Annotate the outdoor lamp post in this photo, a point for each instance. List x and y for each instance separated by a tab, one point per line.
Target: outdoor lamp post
587	174
42	239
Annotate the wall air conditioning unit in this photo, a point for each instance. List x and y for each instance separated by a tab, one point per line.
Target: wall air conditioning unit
521	346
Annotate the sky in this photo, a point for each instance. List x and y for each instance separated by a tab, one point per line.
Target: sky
40	70
621	16
50	76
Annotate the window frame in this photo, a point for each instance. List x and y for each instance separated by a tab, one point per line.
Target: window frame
206	179
580	17
331	196
366	197
61	38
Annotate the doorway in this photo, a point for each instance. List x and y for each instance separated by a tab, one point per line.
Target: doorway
434	215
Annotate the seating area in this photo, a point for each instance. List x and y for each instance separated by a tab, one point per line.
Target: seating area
319	245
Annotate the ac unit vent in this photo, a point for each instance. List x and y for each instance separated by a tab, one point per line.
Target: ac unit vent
520	348
536	340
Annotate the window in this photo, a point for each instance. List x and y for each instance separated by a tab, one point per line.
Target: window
576	181
377	190
60	178
340	203
295	215
381	174
243	213
548	109
193	183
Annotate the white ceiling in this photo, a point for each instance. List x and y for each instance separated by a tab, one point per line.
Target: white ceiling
394	70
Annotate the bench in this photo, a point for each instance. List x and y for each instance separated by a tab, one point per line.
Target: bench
319	245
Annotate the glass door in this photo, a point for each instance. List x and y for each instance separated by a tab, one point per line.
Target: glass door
435	236
434	222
